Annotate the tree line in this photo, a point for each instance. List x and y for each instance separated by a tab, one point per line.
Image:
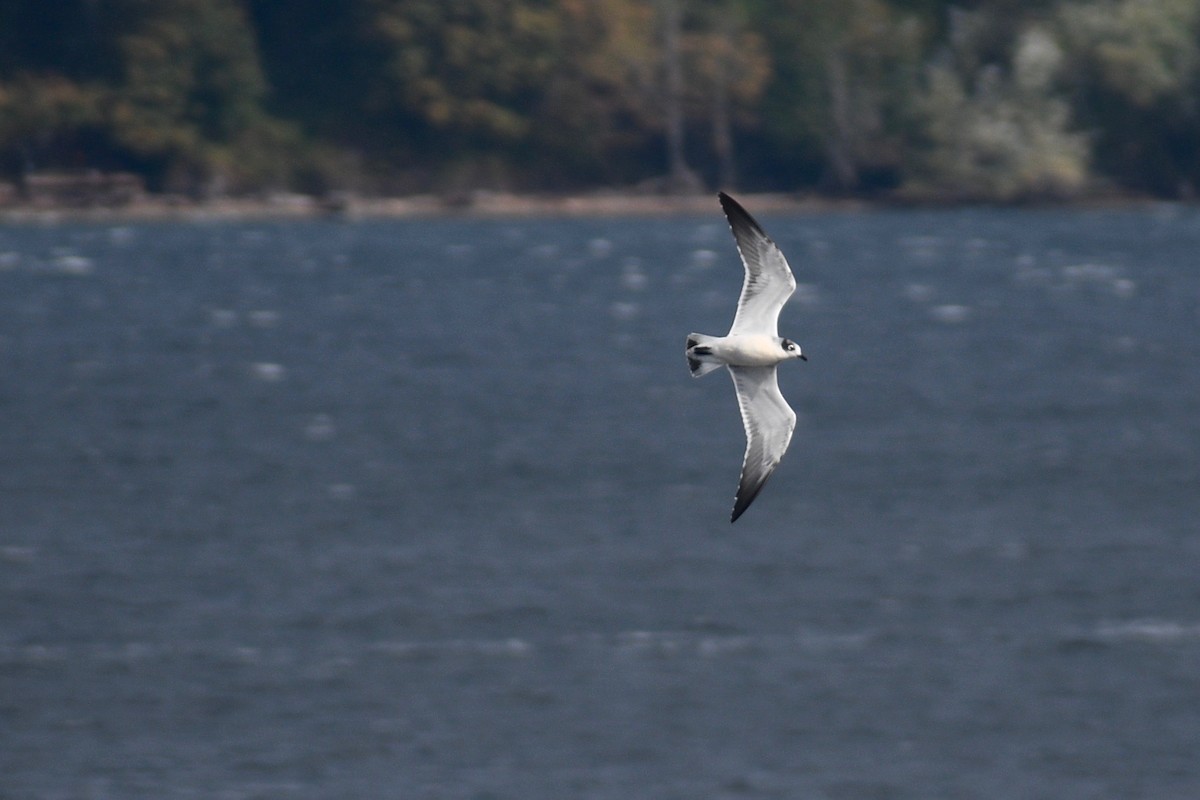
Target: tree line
996	100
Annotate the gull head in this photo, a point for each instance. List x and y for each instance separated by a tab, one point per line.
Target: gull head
792	350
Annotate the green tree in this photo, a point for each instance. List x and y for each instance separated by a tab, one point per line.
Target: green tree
624	104
599	115
463	78
997	131
727	67
998	99
321	61
52	97
171	89
1135	68
190	92
844	73
49	121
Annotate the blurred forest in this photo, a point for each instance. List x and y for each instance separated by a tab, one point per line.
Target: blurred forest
983	100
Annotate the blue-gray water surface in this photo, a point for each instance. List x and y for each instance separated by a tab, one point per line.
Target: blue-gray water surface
432	509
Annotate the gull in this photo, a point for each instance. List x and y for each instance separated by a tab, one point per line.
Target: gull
752	350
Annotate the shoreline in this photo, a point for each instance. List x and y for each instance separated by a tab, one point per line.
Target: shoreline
485	205
150	208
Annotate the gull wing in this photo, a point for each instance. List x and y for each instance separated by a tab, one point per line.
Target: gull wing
769	422
769	280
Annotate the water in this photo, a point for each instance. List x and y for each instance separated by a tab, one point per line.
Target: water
432	509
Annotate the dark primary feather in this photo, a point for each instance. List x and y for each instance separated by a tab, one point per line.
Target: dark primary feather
739	217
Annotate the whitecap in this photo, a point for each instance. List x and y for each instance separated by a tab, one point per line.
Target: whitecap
951	314
342	491
918	292
120	235
624	311
1013	550
1089	272
632	277
268	372
17	554
547	250
74	265
712	646
320	428
1148	630
1123	287
652	642
1125	344
806	294
703	259
511	647
599	247
264	318
223	317
1100	276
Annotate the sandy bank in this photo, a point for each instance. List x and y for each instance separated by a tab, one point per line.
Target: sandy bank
479	204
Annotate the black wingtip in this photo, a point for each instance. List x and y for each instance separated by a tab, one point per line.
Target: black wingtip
737	215
743	501
739	508
747	491
729	204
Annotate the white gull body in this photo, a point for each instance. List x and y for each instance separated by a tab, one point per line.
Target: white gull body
751	351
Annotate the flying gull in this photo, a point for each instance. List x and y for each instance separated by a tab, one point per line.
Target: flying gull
751	351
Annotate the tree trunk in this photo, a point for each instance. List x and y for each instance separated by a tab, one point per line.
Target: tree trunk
680	177
841	136
722	127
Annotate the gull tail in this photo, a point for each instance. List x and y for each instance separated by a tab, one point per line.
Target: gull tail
699	355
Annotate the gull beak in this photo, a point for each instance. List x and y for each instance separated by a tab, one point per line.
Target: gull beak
803	357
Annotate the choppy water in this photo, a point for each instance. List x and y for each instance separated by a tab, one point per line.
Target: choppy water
433	510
